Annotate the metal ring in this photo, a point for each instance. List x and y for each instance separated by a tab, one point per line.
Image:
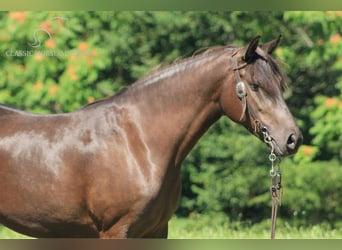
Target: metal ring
264	130
268	139
272	157
272	173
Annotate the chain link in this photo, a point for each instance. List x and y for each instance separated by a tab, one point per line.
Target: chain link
275	180
272	156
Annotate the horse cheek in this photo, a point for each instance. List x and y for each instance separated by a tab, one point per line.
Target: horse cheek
231	105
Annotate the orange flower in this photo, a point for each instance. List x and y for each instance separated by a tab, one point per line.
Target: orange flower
335	38
329	102
38	57
308	150
38	86
83	46
71	73
46	25
53	89
50	44
19	16
337	13
90	99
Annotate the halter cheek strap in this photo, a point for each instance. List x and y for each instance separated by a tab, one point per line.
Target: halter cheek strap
240	87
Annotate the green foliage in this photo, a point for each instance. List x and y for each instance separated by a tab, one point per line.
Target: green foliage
313	52
327	129
311	192
59	61
241	189
49	63
306	154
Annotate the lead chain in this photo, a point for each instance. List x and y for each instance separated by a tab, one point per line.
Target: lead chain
274	173
275	181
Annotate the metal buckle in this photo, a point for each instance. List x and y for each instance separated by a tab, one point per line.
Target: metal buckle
241	89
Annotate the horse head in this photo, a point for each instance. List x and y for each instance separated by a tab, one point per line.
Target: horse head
256	96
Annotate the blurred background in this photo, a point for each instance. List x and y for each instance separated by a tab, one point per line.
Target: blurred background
54	62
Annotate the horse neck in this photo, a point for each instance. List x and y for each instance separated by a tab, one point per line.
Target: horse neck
178	106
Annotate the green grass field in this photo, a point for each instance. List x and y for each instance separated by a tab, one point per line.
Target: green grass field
209	228
205	227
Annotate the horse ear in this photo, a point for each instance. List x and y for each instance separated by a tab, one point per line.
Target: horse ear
271	45
250	51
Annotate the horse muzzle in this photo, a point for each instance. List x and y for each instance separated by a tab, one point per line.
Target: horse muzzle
285	145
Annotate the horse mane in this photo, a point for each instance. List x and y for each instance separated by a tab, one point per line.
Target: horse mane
199	54
270	77
205	52
106	99
7	110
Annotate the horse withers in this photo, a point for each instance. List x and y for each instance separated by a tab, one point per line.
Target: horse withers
112	168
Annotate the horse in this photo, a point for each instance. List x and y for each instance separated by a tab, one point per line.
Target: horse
111	169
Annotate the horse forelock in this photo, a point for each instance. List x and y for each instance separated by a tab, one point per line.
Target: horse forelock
268	75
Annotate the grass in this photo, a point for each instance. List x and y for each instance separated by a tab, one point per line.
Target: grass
6	233
205	227
217	227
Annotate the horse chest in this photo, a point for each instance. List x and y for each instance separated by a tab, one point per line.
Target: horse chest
130	202
153	216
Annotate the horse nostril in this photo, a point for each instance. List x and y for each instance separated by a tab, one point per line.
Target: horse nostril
293	142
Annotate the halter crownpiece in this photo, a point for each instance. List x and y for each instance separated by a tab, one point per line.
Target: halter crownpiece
240	87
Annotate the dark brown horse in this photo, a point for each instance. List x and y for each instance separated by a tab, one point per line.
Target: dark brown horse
112	168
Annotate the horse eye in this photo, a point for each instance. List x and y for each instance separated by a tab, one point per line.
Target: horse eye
254	86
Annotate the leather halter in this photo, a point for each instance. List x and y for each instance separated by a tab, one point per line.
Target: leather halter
241	92
240	86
